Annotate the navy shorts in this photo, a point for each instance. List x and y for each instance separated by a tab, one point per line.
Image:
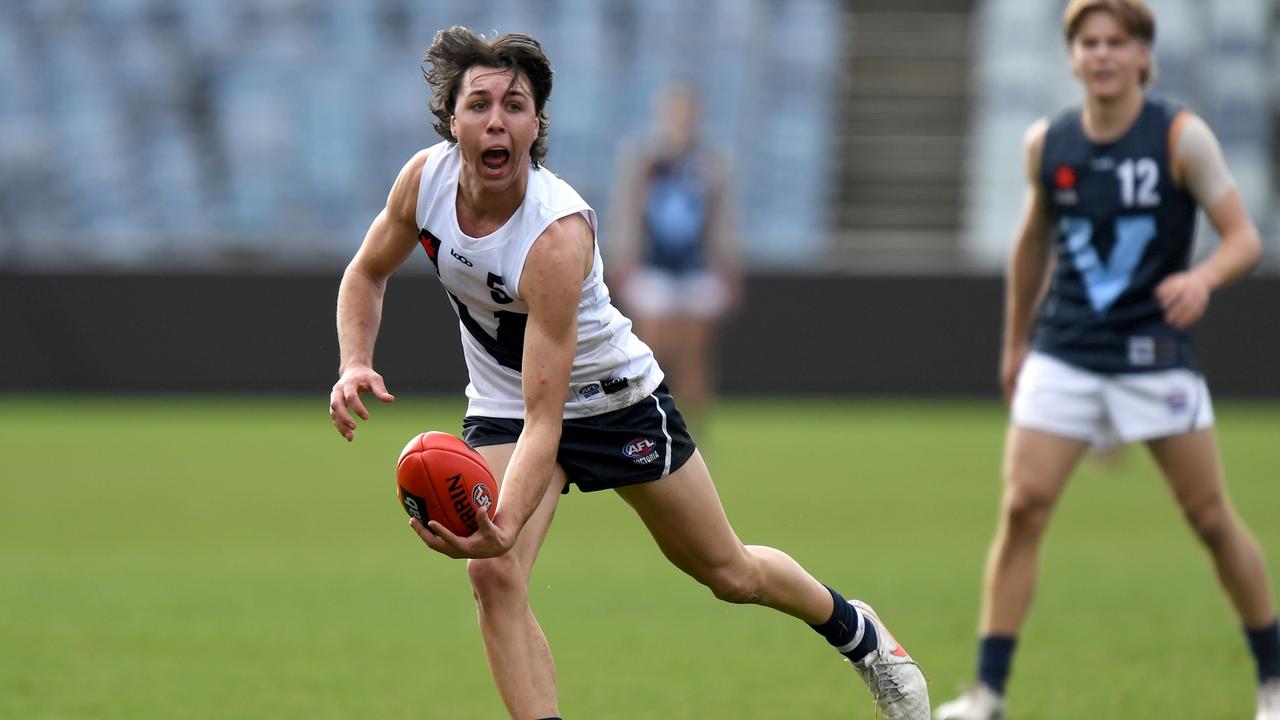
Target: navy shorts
641	443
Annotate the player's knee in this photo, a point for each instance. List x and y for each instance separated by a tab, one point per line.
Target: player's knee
493	578
1211	521
1027	510
738	583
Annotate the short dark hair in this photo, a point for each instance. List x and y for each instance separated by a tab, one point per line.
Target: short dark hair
1133	15
458	49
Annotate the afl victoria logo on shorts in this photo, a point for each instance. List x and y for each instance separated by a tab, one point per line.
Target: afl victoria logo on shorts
642	451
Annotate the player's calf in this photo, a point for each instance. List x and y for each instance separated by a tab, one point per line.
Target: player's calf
737	583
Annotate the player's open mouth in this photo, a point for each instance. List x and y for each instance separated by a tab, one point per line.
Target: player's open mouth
495	159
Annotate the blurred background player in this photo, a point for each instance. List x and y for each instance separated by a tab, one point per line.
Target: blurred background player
561	391
1114	189
673	246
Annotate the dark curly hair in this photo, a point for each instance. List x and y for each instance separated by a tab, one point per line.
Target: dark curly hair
457	49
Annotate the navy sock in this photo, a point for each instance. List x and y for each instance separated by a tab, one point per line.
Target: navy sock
995	655
841	629
1264	643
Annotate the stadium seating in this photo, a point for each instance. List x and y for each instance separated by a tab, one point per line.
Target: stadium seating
265	133
148	134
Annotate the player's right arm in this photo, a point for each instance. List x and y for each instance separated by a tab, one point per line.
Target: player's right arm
551	285
1198	164
389	242
1028	265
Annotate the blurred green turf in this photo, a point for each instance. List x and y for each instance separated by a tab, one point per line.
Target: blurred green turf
197	558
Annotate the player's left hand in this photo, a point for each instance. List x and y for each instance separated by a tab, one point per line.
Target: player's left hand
1184	297
489	539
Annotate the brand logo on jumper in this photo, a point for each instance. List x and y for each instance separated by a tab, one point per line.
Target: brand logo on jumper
460	258
590	390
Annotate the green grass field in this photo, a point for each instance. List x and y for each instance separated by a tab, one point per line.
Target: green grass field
194	558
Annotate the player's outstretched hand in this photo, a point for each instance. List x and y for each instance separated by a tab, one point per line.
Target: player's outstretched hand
489	539
1184	297
345	398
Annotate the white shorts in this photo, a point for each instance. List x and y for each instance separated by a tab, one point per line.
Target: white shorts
651	292
1106	410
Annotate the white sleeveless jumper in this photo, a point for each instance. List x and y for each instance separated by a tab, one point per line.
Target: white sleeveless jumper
612	368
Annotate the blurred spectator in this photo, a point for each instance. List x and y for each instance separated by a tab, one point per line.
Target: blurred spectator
674	250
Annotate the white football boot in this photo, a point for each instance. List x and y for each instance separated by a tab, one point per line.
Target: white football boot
979	702
895	680
1269	700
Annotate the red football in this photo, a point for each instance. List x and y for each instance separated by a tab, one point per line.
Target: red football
441	478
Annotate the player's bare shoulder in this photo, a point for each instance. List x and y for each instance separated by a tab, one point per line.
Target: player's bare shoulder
567	241
562	255
403	199
571	229
1033	145
394	232
1197	160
